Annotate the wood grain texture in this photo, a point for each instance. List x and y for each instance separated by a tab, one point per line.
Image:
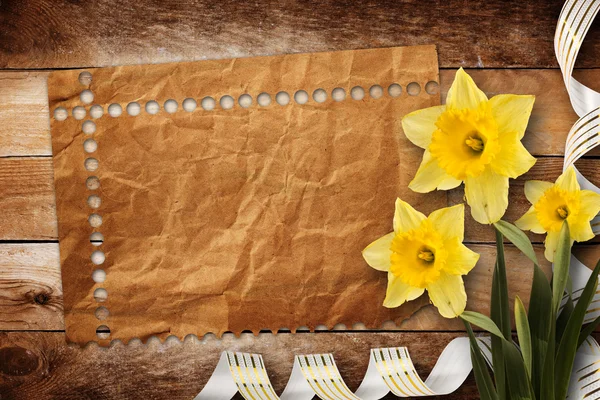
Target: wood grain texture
24	119
41	366
25	124
31	294
27	199
63	33
30	287
29	208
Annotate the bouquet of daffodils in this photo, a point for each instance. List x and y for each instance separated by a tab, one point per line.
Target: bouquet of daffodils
477	141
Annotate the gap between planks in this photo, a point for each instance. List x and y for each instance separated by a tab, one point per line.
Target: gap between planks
26	127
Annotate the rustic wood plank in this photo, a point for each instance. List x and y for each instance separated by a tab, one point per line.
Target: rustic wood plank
30	287
25	128
29	212
41	366
31	296
24	123
27	199
495	33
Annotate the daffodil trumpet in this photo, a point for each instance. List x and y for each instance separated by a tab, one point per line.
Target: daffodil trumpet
424	253
475	140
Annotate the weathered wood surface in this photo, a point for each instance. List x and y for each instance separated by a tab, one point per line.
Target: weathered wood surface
25	129
64	33
29	212
40	34
39	365
31	293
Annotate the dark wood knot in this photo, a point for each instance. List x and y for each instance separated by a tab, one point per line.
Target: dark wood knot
41	298
17	361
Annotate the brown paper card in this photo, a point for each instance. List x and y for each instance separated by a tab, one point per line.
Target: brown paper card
235	219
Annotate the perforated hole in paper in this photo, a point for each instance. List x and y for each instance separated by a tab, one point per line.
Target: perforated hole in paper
264	99
134	109
96	238
99	276
89	127
282	98
95	220
103	332
90	146
245	100
91	164
413	89
115	110
79	113
395	90
171	106
189	104
357	93
92	183
96	111
86	96
100	295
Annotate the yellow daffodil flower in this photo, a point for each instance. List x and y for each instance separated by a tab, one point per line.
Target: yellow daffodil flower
473	140
552	204
424	253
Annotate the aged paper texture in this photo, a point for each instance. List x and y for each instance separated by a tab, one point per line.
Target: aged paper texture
236	219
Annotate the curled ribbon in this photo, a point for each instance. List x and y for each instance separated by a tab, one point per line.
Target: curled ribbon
574	22
391	369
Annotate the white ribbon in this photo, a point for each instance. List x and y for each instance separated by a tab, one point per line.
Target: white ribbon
574	22
390	370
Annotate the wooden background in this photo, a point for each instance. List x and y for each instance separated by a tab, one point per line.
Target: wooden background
509	45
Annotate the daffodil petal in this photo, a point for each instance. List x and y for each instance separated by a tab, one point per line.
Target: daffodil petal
399	292
581	230
378	253
464	93
551	243
513	159
534	190
449	222
461	259
590	203
568	180
430	176
406	217
448	295
449	182
530	222
512	113
487	194
419	125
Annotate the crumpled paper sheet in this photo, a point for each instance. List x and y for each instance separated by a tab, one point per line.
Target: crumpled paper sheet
242	219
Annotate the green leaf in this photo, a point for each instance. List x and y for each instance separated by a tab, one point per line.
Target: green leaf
523	333
518	238
563	319
547	380
482	321
587	331
485	385
565	356
540	321
562	259
500	311
500	314
516	374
